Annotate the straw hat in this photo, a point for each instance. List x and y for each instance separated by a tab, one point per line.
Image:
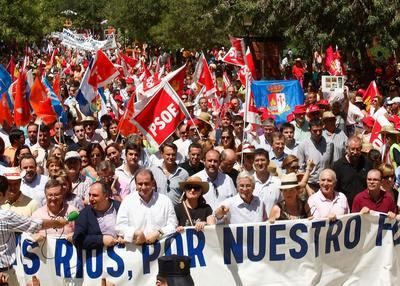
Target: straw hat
389	129
194	180
205	117
88	120
289	181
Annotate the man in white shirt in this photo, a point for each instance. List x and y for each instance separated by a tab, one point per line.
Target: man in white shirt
266	139
221	185
243	207
183	142
41	149
32	183
145	215
125	173
267	186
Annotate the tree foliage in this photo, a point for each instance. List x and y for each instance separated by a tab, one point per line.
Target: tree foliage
308	24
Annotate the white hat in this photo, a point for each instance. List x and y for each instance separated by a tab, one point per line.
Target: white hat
13	173
289	181
396	100
72	155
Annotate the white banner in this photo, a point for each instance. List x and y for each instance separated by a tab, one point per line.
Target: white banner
80	42
353	250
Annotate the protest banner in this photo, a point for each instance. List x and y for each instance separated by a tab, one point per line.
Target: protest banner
279	96
73	40
353	250
161	114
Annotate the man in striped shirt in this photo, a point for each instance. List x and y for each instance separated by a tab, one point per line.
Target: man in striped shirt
10	223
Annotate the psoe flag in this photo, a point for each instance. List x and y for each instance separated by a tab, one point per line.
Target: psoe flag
161	115
279	96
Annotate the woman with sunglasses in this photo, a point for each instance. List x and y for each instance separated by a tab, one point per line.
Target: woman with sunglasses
193	210
227	140
291	165
96	155
291	207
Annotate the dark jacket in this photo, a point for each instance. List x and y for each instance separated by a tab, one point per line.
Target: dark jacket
87	234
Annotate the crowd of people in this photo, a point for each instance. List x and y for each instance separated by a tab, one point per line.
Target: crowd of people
215	169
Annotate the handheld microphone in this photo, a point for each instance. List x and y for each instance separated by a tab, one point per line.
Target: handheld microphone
72	216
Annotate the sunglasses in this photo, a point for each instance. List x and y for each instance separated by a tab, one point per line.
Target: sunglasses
193	187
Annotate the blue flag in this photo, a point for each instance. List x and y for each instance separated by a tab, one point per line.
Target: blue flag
279	96
55	102
5	80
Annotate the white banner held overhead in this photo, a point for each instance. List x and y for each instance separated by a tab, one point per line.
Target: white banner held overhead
353	250
80	42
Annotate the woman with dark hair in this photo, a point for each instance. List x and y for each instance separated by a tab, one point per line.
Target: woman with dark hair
112	133
95	154
20	153
193	209
3	160
227	140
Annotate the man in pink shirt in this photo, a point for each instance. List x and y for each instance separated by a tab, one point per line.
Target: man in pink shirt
326	203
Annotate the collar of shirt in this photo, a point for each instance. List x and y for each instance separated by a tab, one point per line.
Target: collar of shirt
279	159
325	199
175	173
108	211
152	201
266	183
366	195
218	179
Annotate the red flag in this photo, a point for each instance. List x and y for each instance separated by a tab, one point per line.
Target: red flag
333	62
370	93
161	115
242	76
250	63
125	125
41	103
22	113
204	77
11	68
235	55
56	86
53	56
150	80
5	112
103	71
376	138
177	81
127	63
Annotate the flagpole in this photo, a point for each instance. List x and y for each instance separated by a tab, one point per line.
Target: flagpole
246	99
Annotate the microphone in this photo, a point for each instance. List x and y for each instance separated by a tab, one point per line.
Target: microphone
72	216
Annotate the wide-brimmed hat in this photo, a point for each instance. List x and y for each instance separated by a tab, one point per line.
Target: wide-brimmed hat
389	129
289	181
205	117
13	173
175	269
328	115
194	180
88	120
189	104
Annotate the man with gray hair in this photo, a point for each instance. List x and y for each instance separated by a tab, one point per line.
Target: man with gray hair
327	203
243	207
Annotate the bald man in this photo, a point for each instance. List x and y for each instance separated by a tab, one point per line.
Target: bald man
228	161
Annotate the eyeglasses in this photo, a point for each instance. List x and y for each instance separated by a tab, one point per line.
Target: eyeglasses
225	137
52	196
193	187
387	177
95	155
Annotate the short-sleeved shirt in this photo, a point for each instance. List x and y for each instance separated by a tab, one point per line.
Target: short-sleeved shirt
198	214
321	207
268	191
384	204
242	212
